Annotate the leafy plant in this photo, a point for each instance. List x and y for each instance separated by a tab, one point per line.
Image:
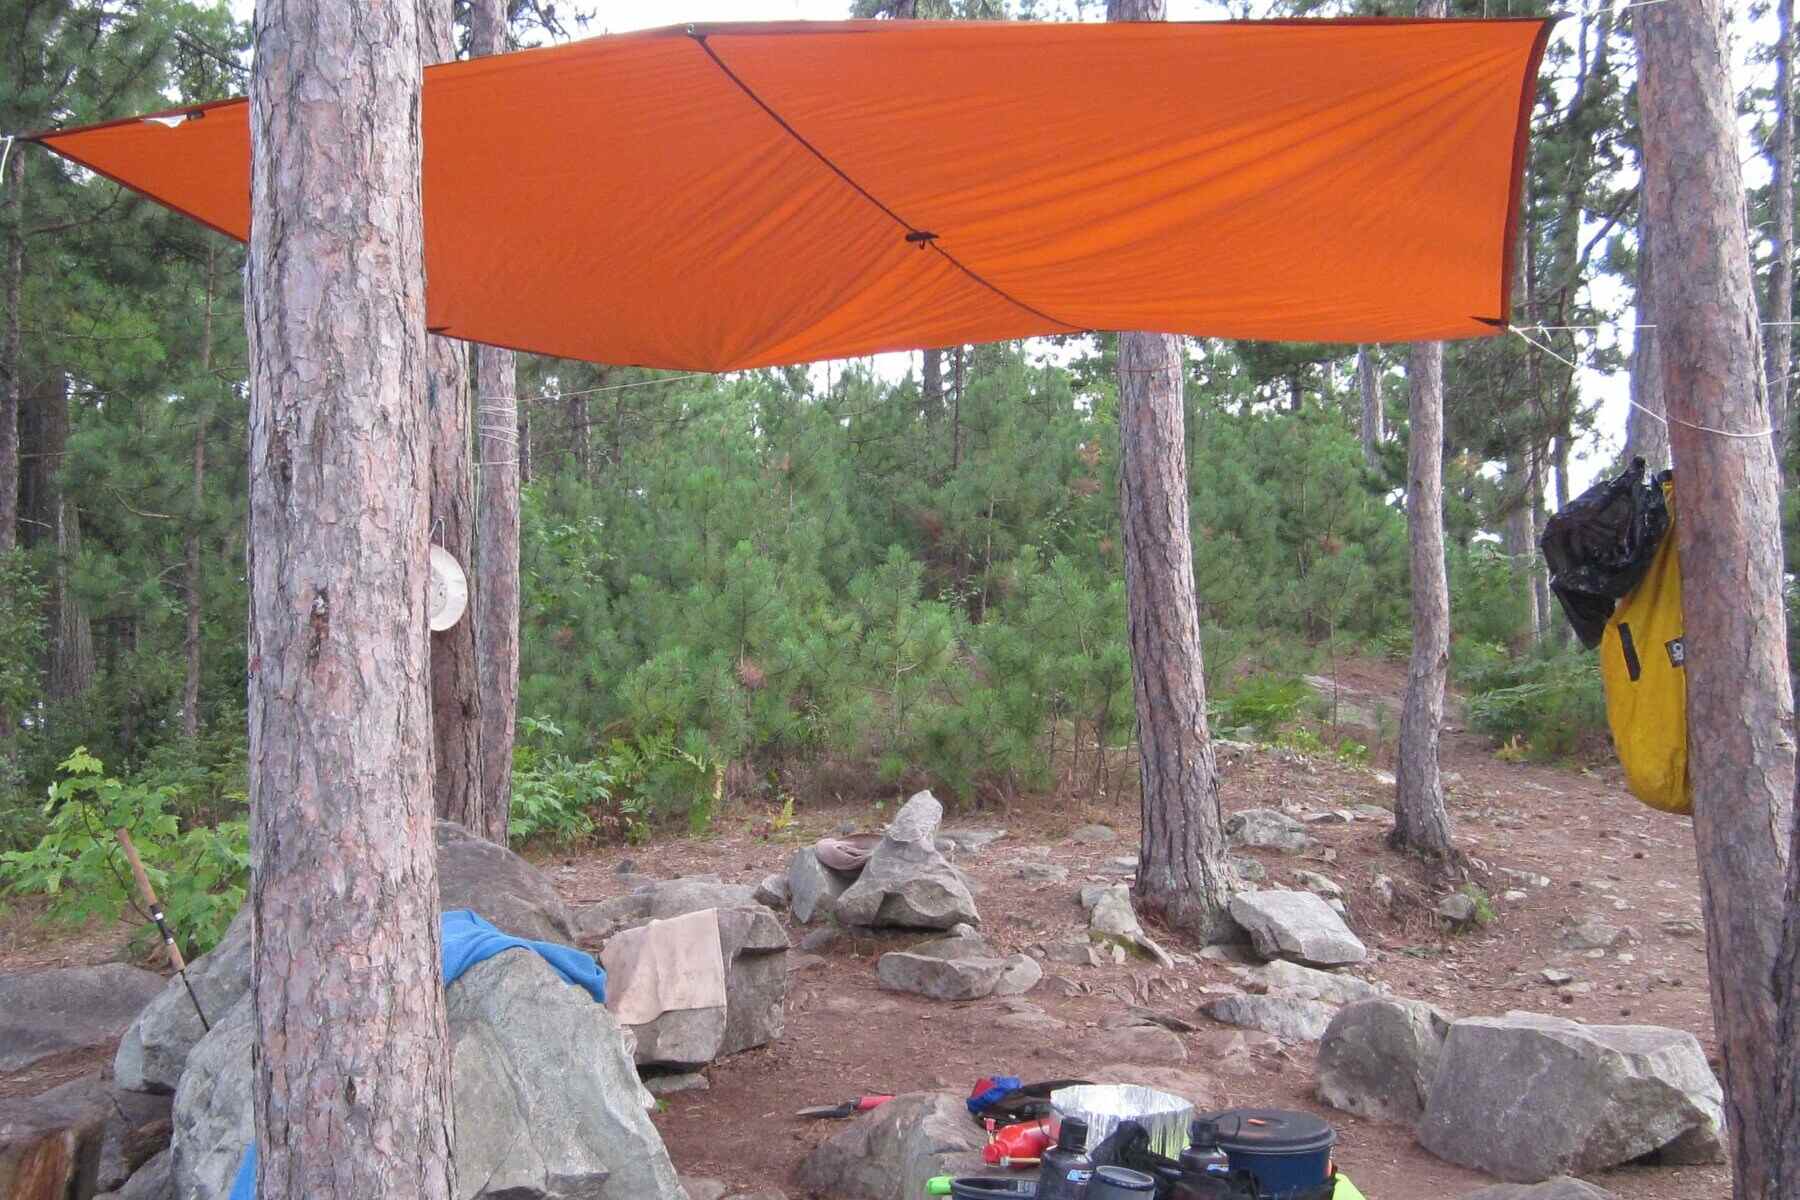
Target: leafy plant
199	873
1546	706
1264	704
1485	913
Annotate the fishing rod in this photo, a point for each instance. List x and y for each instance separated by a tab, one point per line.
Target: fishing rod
156	914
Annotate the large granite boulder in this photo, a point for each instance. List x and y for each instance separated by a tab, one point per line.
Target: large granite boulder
1289	1017
939	978
1266	829
1298	926
44	1014
907	882
1379	1057
214	1117
813	888
1331	987
888	1154
959	967
754	947
82	1136
548	1102
154	1050
155	1180
1527	1097
472	873
503	888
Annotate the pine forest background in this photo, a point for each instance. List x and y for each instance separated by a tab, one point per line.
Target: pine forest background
748	592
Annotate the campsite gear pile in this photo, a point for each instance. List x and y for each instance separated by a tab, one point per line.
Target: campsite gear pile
1614	567
1086	1141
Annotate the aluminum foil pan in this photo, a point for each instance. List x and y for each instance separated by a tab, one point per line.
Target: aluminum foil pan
1104	1106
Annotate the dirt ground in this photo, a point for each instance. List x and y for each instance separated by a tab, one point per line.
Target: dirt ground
1603	854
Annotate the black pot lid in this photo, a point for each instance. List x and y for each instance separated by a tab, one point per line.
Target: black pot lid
1273	1131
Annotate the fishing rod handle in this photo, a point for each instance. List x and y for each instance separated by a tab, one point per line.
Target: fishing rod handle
149	894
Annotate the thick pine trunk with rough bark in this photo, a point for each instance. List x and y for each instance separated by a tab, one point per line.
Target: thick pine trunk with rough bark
1181	861
500	447
1421	823
456	694
1646	422
1181	873
1374	420
12	185
353	1063
1728	534
1780	340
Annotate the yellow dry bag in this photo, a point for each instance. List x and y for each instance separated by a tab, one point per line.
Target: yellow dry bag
1641	667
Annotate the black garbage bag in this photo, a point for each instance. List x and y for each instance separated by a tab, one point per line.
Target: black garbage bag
1600	545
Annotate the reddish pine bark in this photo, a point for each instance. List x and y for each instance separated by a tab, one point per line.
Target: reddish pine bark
1728	533
456	695
352	1063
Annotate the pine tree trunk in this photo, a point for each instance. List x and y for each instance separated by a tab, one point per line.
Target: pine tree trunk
1728	534
1646	422
1374	420
958	375
1181	861
1421	823
353	1062
1784	1124
931	390
1181	872
11	351
70	667
456	695
500	448
1540	516
190	646
1781	201
1521	546
575	413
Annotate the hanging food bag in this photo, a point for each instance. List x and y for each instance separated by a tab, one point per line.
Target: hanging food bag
1601	544
1642	668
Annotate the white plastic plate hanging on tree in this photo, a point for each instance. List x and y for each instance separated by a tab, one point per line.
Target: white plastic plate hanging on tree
449	594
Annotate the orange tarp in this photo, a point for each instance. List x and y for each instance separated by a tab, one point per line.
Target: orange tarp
728	196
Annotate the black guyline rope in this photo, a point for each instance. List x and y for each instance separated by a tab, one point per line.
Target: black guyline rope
920	237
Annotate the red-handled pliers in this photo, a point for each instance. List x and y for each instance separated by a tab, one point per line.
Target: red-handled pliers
848	1108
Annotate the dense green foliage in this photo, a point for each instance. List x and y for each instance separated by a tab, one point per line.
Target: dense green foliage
197	869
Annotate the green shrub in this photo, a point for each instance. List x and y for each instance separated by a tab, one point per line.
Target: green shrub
1485	913
612	796
1262	704
1551	701
199	873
